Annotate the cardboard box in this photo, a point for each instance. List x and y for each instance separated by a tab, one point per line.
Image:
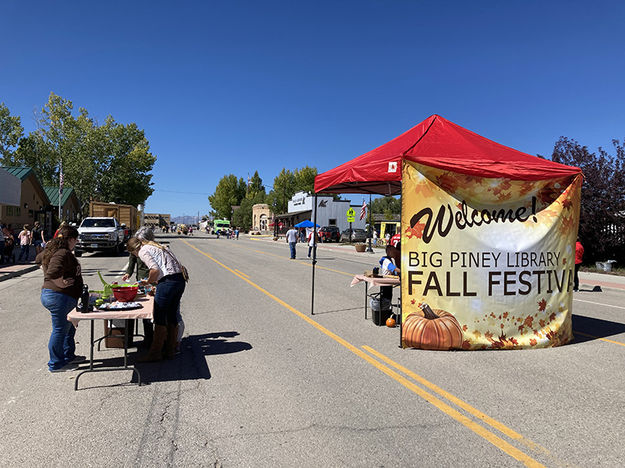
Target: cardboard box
117	338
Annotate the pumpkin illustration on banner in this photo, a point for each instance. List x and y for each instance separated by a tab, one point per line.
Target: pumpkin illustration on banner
435	329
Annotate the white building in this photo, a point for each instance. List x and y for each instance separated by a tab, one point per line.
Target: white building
329	211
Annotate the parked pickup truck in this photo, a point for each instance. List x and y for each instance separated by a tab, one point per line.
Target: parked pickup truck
100	234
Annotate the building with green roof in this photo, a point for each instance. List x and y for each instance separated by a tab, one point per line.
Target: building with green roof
70	204
33	205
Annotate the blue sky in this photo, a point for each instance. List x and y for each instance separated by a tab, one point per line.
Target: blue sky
238	86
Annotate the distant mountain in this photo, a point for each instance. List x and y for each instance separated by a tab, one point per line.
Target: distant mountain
184	219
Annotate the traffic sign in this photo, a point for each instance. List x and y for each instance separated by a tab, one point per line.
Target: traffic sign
351	215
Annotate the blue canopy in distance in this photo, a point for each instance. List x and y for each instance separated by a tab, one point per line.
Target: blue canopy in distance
306	224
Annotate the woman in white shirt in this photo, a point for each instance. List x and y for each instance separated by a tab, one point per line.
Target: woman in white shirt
166	272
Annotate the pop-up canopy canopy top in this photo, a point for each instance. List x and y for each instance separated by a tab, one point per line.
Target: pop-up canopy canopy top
466	198
439	143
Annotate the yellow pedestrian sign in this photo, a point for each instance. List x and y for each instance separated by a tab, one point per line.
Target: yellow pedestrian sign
351	215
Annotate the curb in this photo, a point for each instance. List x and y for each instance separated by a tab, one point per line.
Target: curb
13	274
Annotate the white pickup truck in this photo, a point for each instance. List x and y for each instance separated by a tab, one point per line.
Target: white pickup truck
100	234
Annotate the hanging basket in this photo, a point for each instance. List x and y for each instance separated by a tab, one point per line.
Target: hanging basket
360	247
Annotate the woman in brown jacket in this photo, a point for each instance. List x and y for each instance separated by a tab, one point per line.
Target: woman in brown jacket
62	286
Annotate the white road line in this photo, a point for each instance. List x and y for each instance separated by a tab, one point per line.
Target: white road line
599	303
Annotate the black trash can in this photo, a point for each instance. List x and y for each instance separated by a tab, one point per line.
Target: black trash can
381	310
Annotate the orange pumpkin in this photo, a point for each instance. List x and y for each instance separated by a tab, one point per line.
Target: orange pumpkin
390	322
435	329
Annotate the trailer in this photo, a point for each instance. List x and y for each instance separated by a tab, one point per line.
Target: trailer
127	215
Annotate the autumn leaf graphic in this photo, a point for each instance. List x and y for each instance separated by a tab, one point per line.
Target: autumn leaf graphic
416	231
533	342
448	182
528	321
502	187
541	305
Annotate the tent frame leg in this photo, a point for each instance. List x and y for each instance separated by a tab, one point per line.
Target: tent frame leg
314	259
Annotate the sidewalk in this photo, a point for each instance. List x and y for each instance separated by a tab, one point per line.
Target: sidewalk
10	270
589	280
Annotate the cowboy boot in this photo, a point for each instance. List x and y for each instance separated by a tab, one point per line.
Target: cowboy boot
156	349
172	339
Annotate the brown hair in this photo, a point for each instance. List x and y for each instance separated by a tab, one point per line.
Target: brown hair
61	241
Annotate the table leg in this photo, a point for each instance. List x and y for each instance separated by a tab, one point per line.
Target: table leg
91	369
91	348
366	295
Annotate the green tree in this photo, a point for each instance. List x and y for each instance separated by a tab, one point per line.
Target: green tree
283	189
11	131
389	206
305	179
242	217
256	185
109	162
229	192
125	162
603	197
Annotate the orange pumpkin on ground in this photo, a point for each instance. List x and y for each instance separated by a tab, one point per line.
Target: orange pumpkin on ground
436	329
390	322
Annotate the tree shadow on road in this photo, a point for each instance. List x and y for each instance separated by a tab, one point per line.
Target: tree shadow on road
589	328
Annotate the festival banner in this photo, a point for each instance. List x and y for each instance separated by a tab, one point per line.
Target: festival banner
486	263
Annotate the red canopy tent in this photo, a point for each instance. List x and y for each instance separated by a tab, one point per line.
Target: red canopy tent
441	144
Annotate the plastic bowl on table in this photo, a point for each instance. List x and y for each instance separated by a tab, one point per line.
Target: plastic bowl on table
125	294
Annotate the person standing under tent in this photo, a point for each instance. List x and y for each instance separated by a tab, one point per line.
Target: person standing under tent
291	239
579	255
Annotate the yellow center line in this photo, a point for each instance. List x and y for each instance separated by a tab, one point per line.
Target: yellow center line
246	275
442	406
458	402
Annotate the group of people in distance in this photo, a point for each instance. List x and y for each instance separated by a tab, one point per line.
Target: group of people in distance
26	237
152	262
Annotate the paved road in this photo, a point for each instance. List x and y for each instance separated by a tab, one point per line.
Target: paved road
261	383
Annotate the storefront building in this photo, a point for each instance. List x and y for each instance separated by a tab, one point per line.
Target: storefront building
262	217
33	202
330	212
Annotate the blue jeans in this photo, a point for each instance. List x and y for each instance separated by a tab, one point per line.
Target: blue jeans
292	247
24	253
61	346
167	299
